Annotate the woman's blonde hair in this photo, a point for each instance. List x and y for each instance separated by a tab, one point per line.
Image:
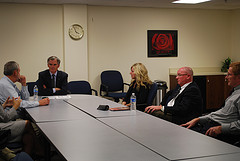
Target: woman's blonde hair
141	75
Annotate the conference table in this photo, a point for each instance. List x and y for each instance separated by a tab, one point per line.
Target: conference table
78	136
81	132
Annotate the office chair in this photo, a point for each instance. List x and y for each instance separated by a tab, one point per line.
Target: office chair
111	84
30	87
151	95
80	87
16	147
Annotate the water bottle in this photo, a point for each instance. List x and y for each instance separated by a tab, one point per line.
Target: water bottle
133	102
35	93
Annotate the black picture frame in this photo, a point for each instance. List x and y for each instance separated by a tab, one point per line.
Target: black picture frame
162	43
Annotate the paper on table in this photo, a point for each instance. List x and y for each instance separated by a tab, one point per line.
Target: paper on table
119	108
59	97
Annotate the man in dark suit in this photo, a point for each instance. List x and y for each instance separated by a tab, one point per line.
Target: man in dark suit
52	81
181	104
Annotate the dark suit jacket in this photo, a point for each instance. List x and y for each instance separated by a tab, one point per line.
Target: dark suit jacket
44	78
188	104
141	95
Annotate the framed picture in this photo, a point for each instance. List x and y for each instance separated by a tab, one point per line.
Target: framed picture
162	43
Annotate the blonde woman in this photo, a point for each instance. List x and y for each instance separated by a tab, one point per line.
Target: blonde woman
140	85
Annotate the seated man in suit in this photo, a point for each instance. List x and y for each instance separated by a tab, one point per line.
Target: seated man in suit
224	124
52	81
8	87
181	104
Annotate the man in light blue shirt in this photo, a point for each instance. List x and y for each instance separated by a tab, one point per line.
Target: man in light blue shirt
223	124
9	88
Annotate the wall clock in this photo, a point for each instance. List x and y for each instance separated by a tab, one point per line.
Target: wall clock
76	31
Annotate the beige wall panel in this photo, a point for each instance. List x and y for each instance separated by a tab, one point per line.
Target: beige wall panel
235	35
115	38
118	39
76	53
29	35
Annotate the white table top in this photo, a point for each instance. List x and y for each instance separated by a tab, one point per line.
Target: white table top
91	140
57	110
90	103
169	140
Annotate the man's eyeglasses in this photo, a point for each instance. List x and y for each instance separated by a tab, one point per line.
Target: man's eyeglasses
228	74
179	75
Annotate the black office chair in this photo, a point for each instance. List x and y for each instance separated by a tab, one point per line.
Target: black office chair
151	95
80	87
112	85
30	87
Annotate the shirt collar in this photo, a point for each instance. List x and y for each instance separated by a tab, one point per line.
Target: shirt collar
185	85
54	73
236	88
9	80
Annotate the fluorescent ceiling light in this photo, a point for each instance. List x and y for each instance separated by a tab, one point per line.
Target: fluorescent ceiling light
190	1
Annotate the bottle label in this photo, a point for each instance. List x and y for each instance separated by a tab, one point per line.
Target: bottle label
35	89
133	100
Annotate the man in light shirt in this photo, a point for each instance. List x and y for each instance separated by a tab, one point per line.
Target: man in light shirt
181	104
223	124
8	87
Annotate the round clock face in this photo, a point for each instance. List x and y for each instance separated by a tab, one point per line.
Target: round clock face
76	32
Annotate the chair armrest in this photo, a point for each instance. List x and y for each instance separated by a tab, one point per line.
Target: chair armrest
142	105
95	91
123	87
68	92
126	84
104	88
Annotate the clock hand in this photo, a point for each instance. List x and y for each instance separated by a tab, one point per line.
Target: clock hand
75	30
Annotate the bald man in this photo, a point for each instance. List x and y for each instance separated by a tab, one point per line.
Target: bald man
182	103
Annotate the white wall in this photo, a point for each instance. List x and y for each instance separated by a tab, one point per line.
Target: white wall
116	38
29	35
32	33
235	35
76	56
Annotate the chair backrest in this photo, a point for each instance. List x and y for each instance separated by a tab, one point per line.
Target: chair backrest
79	87
152	93
30	87
113	79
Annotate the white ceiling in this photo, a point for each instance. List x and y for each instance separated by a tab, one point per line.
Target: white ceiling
213	4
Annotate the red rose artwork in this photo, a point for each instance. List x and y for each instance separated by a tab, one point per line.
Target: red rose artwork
162	43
